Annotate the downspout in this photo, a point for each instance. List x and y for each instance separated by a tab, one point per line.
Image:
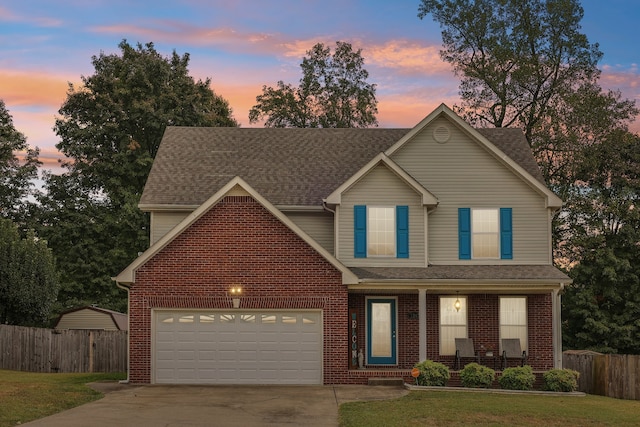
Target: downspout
128	331
335	227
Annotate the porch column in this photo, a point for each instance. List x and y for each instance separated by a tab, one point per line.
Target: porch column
556	306
422	324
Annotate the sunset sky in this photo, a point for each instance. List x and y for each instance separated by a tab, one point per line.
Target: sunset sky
243	44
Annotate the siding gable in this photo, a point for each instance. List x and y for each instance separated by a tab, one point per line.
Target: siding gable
381	187
464	174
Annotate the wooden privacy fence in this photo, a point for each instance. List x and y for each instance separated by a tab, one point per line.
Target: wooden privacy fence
612	375
50	350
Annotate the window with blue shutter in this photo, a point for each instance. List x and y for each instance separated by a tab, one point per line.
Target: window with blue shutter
506	234
402	231
360	231
480	231
464	233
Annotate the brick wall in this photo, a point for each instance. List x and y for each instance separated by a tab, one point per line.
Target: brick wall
238	242
483	327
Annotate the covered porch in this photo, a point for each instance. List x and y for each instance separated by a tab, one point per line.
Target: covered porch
396	322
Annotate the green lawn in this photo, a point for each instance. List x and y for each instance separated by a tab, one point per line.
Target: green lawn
439	408
26	396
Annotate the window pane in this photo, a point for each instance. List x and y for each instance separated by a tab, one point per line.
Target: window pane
207	318
453	323
268	318
513	319
485	220
485	229
381	329
381	232
448	335
485	245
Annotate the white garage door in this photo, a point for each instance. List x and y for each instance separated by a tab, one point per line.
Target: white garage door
238	347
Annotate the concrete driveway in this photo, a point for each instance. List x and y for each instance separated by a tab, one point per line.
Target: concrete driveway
155	405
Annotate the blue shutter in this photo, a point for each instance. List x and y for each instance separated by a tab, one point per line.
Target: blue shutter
464	233
360	231
402	231
506	234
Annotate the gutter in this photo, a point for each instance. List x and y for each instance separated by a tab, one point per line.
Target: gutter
128	332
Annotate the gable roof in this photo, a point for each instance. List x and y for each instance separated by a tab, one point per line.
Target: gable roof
428	198
127	276
293	167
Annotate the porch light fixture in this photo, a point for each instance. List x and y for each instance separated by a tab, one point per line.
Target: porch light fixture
235	292
457	305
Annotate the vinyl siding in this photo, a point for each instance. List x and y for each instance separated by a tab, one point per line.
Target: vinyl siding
86	319
460	173
163	222
317	225
382	187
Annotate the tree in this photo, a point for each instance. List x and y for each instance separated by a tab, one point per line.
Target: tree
28	279
333	93
16	175
110	128
601	308
514	57
524	63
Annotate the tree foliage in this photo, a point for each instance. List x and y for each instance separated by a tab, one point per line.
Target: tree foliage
514	57
601	309
16	175
110	128
28	279
525	63
333	93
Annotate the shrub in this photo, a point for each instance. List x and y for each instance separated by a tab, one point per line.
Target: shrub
561	380
432	373
475	375
521	378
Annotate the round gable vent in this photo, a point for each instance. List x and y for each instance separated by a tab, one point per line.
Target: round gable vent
441	134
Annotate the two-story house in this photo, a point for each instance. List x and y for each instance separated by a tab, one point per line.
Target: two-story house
327	256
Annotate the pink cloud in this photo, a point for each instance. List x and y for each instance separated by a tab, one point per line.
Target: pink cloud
33	88
40	21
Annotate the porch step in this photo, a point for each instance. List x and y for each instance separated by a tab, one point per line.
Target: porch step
386	381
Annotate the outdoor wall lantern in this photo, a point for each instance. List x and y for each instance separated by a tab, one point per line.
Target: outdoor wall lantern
235	292
457	305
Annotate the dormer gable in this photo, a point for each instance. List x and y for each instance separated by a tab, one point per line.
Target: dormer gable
428	199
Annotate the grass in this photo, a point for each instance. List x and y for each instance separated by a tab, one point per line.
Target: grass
27	396
439	408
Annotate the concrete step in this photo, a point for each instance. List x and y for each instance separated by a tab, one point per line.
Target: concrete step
386	381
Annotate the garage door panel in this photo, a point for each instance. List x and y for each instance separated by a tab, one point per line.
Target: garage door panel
238	348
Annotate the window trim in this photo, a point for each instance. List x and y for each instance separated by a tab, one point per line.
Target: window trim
370	232
465	305
524	344
504	234
361	231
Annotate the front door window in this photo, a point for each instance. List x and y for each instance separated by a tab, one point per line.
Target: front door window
381	331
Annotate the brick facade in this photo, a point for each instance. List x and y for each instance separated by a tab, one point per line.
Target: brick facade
483	327
239	242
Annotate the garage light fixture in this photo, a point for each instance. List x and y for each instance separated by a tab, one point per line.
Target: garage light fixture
457	305
235	292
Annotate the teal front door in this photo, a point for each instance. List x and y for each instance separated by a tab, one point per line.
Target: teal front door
381	331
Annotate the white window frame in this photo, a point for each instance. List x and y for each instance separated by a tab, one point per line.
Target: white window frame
371	231
447	343
507	329
475	235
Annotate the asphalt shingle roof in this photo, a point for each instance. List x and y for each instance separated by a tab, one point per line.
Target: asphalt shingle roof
464	272
287	166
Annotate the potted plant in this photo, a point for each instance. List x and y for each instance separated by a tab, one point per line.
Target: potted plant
488	350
